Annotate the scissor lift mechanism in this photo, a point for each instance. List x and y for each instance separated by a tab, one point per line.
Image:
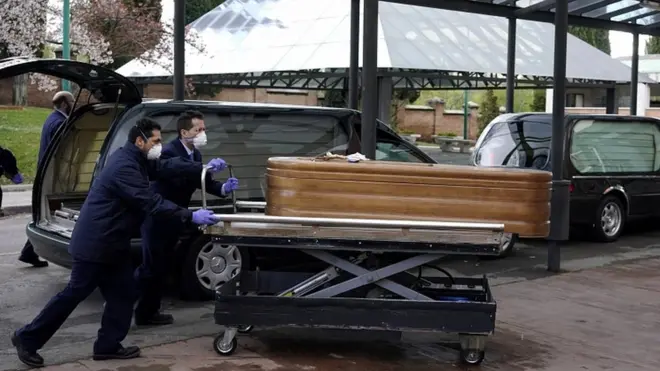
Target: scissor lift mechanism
351	293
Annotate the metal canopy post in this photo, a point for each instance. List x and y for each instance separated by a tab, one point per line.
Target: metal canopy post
610	101
369	75
634	72
353	101
560	192
511	65
179	49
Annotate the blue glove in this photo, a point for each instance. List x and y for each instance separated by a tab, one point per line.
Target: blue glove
230	185
216	165
17	179
204	217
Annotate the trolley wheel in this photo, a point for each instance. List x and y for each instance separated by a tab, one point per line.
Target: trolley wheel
244	329
472	356
224	350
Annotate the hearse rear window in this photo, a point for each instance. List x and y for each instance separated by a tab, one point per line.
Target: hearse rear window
599	147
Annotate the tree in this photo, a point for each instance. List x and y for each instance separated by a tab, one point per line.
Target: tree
538	103
653	45
595	37
100	31
488	110
197	8
130	28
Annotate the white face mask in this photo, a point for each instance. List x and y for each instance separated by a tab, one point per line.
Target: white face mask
154	152
199	140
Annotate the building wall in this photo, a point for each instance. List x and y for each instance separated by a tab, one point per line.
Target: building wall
434	119
423	120
37	98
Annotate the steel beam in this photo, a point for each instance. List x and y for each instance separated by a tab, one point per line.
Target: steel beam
179	49
369	75
353	76
560	194
610	101
511	65
634	72
480	7
544	5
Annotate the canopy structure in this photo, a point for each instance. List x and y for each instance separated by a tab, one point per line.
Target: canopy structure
306	44
634	16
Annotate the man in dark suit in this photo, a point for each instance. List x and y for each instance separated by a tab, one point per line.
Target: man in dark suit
63	102
160	236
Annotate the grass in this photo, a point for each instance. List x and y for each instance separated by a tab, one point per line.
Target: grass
20	132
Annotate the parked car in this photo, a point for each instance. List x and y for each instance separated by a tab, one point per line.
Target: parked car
613	163
244	134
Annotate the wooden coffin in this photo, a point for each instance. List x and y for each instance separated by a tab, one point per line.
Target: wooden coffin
308	187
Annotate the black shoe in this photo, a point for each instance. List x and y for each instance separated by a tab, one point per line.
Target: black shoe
158	319
32	359
34	261
121	353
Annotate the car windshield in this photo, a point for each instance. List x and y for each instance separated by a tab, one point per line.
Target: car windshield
524	144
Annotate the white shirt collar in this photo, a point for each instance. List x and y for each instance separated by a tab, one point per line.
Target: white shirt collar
62	112
186	147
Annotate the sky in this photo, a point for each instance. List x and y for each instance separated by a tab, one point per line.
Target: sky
621	44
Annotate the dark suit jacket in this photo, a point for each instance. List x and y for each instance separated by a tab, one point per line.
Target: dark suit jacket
119	201
180	190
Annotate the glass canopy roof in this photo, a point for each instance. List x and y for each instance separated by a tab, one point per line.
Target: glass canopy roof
644	15
293	35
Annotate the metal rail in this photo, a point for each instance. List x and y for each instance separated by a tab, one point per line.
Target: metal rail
237	204
358	223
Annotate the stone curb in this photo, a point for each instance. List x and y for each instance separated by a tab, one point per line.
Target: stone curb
17	188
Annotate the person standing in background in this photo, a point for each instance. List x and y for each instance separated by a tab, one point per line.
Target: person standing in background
63	102
8	168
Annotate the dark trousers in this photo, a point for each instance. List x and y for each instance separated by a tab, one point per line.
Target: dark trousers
159	237
28	250
117	286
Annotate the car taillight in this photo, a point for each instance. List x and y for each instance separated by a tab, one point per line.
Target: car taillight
571	187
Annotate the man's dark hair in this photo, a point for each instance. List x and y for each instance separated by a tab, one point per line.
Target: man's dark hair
144	128
184	122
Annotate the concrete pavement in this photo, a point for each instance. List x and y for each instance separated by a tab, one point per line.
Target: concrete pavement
24	291
598	319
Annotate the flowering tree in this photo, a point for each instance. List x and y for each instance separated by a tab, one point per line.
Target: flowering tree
100	31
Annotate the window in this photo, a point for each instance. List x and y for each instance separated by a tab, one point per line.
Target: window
524	144
615	147
246	141
574	100
391	148
392	151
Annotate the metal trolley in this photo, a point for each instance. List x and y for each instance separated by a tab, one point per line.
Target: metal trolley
374	276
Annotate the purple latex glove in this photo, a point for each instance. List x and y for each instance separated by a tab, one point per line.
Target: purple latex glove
204	217
216	165
230	185
17	179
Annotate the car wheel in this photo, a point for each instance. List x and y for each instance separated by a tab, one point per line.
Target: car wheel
207	267
610	219
509	241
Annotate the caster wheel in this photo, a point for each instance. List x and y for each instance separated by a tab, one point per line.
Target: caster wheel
245	329
472	356
222	349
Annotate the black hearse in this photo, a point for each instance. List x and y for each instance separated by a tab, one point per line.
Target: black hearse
613	163
244	134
